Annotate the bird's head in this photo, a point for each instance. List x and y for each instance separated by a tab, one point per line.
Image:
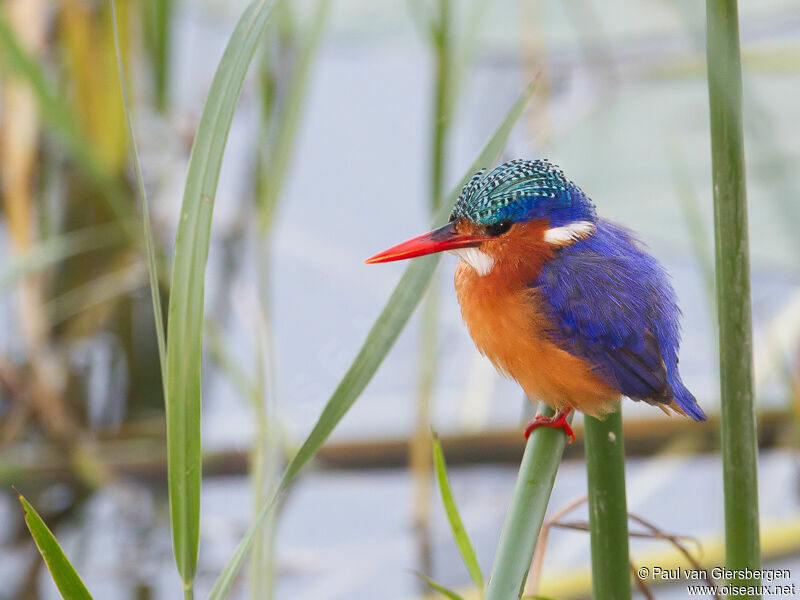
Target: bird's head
516	210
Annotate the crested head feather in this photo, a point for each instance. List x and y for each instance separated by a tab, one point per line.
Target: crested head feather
521	190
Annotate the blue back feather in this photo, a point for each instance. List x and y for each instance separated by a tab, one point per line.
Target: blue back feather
611	303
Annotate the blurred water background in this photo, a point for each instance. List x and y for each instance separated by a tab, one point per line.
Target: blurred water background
621	106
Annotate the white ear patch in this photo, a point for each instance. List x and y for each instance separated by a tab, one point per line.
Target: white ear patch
569	233
480	261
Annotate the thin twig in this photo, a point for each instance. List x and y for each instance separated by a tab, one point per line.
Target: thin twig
675	541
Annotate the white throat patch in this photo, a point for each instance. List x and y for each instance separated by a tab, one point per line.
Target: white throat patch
480	261
569	233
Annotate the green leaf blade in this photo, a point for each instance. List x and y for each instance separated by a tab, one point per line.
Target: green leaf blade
456	525
380	339
150	247
446	592
185	324
69	583
396	313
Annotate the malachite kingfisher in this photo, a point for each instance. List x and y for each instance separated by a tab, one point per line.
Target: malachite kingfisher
569	305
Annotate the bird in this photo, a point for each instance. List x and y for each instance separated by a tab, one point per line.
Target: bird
568	304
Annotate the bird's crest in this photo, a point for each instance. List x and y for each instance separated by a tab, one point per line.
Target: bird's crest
520	190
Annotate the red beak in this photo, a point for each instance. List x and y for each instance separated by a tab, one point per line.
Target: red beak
444	238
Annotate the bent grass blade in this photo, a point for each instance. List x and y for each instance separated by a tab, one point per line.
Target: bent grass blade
380	339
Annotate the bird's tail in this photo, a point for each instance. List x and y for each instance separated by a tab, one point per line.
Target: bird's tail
686	403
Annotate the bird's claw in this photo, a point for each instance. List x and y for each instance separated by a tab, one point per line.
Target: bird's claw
557	421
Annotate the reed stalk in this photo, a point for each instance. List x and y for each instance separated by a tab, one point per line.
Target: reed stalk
739	441
284	69
537	472
421	445
608	513
421	442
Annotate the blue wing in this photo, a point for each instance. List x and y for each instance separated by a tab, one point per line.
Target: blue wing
611	303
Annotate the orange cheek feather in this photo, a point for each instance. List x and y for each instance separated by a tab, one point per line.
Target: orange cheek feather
508	326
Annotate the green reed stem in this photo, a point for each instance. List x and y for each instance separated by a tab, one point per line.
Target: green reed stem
158	35
739	441
422	444
608	512
442	102
537	472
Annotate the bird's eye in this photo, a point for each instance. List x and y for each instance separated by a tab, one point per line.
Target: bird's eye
498	228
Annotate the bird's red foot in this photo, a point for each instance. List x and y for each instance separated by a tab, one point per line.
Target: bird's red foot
557	421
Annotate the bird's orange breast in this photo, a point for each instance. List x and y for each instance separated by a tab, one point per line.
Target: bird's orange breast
506	321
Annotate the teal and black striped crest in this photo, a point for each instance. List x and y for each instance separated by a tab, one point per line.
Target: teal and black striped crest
521	190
